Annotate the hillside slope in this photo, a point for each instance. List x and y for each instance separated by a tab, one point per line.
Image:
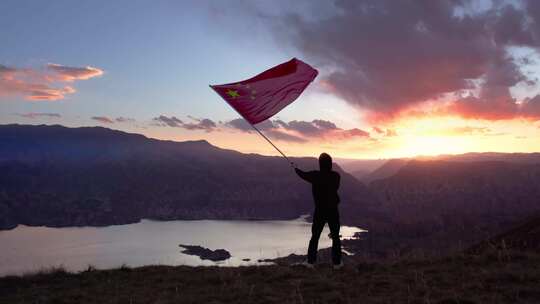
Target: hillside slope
458	202
523	237
488	278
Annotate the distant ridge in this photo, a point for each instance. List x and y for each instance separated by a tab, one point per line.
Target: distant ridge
31	143
371	170
388	169
527	158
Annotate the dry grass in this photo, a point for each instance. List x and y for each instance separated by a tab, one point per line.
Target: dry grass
495	277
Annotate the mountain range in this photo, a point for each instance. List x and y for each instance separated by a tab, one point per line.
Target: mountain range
59	176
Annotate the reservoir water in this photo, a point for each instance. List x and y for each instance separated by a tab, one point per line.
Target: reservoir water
27	249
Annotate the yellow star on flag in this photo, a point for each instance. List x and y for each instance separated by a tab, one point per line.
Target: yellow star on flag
233	93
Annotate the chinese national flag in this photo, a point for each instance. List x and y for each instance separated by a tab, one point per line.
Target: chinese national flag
264	95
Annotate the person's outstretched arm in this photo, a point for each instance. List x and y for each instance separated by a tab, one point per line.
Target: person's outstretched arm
307	176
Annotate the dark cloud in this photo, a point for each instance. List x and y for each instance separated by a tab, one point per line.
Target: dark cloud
5	69
325	124
39	115
322	128
103	119
298	130
276	130
242	125
305	128
494	101
279	135
172	121
270	129
531	107
204	124
353	133
124	119
387	56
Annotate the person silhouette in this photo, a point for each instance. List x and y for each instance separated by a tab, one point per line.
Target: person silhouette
324	186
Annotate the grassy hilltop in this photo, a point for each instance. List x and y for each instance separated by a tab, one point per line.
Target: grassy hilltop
498	276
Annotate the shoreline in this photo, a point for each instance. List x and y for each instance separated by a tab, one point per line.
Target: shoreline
304	217
136	245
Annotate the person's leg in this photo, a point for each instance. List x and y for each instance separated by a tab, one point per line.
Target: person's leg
333	224
316	229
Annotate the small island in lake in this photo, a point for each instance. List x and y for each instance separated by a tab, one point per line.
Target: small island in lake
205	253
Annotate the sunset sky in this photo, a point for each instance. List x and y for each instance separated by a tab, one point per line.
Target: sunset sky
396	78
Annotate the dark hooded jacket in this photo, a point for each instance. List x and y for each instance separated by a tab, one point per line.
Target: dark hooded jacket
324	183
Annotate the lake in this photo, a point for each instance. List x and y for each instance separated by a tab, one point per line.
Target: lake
27	249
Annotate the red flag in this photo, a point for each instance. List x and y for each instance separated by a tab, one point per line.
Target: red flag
264	95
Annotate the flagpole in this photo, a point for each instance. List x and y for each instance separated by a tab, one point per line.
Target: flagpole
260	133
269	141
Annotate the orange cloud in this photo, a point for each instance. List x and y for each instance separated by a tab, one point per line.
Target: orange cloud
43	92
391	133
69	74
49	84
487	107
490	107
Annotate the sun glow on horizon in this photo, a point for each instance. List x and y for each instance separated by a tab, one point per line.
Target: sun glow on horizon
428	136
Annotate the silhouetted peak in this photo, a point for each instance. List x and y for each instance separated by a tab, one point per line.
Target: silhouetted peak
39	142
200	142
